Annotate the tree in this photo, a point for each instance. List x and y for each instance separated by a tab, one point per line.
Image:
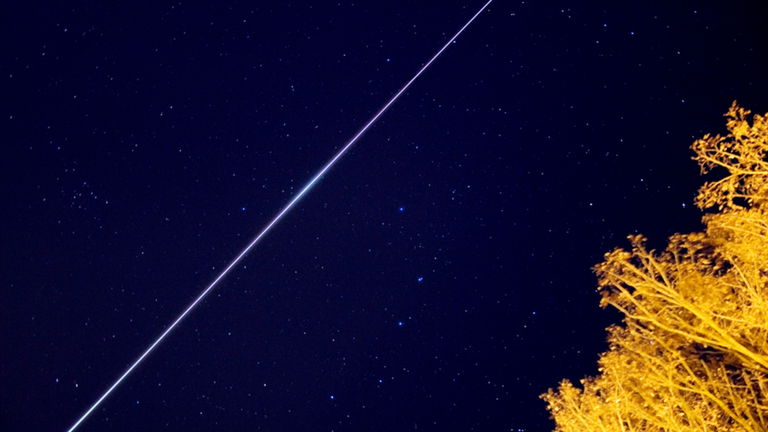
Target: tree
692	351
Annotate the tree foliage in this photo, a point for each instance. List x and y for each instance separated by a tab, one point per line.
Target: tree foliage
692	351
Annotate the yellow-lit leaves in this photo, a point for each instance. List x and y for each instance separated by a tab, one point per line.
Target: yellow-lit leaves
692	351
743	154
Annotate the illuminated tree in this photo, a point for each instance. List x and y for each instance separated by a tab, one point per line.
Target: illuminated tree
692	352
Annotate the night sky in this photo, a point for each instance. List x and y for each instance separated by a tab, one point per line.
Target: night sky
439	276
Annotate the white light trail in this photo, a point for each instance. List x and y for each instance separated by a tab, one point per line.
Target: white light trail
273	222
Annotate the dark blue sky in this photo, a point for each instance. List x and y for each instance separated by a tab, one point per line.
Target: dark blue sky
438	278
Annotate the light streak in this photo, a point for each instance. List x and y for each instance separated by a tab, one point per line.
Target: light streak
272	223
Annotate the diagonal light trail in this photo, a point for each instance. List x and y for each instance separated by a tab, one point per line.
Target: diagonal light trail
272	223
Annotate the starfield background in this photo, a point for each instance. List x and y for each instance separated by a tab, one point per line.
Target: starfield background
438	278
